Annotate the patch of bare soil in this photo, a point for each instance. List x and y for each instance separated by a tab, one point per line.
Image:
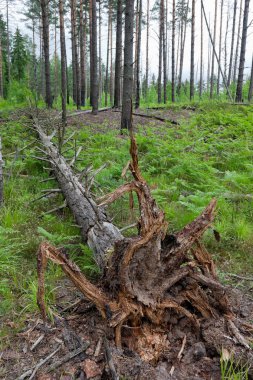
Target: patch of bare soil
187	354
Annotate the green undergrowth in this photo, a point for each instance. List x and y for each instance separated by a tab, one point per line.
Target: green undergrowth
209	155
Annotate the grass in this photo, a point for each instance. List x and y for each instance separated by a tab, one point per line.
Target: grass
209	155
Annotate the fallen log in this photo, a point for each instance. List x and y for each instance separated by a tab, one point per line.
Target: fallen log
150	280
156	117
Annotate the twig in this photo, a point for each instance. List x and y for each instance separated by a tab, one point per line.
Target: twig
37	342
56	209
98	347
128	227
237	334
109	360
239	277
68	357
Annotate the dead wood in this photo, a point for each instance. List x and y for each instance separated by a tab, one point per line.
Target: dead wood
149	280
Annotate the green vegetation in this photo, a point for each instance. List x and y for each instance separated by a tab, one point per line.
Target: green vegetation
208	155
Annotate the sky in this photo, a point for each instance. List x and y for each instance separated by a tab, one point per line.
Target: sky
16	19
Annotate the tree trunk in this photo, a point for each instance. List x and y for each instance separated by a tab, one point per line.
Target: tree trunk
1	69
237	43
126	117
108	54
94	78
55	57
138	58
192	51
226	43
100	80
239	88
147	53
45	25
118	56
173	51
232	45
159	80
75	53
63	70
213	53
164	56
91	54
82	53
250	94
220	44
183	38
8	43
201	55
111	65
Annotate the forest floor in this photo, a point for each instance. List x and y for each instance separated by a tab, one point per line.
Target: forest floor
207	152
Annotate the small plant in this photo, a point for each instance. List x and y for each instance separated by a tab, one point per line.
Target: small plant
232	370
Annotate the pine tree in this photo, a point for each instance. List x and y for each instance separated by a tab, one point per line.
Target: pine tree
19	56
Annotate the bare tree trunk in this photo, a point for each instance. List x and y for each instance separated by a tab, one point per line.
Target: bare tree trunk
183	38
67	76
213	54
250	94
100	80
91	54
136	46
74	63
232	45
55	57
173	52
82	53
226	43
159	79
192	51
237	43
45	24
164	57
75	48
220	43
126	117
243	52
137	97
1	69
94	79
118	57
8	43
201	55
108	53
147	53
111	65
63	70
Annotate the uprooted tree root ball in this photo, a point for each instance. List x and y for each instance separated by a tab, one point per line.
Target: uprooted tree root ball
154	283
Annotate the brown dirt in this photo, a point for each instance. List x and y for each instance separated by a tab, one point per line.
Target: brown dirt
200	357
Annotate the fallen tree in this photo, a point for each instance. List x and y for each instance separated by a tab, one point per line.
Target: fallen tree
151	282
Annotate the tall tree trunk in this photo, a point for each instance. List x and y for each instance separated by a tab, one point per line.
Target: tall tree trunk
34	62
91	54
74	78
243	52
118	56
183	38
94	78
250	94
173	51
100	81
138	86
147	53
75	53
136	46
220	44
8	43
108	53
201	54
159	79
67	76
192	51
213	52
45	25
55	57
1	69
111	65
164	57
237	43
126	116
63	70
226	43
82	53
232	45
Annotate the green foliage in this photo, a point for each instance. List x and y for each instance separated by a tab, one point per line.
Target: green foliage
232	370
19	56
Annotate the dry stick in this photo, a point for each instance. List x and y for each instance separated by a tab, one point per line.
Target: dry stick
216	56
56	209
37	342
239	277
89	112
68	357
237	334
160	118
109	360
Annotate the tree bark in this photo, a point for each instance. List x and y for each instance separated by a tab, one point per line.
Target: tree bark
192	51
82	53
237	43
159	80
147	53
173	51
164	56
138	58
126	117
220	43
94	78
232	45
118	58
181	61
201	55
111	64
108	53
213	52
8	43
239	88
45	26
63	70
250	93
